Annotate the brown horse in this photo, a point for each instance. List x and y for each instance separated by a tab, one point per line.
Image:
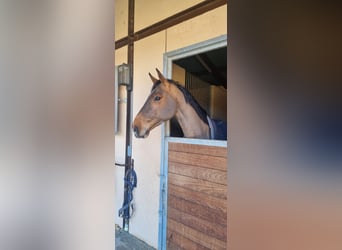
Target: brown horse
169	99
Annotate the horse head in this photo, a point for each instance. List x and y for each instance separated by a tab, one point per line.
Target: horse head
160	106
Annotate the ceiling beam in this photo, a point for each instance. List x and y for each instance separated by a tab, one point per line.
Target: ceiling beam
205	61
182	16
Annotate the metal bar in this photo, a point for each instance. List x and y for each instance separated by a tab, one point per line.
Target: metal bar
129	88
116	101
182	16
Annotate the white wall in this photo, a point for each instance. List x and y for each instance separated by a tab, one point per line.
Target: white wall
148	54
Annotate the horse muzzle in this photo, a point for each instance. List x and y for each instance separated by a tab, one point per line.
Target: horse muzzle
138	133
142	126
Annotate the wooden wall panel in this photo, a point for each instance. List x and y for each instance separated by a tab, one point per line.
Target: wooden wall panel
199	160
202	212
203	225
196	236
198	149
197	197
198	185
201	173
178	241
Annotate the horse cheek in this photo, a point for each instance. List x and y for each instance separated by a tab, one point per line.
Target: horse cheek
149	111
168	112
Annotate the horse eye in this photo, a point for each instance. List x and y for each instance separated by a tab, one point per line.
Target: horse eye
157	98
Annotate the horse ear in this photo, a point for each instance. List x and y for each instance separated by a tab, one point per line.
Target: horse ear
160	75
154	80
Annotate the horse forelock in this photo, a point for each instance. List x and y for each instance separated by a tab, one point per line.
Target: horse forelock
189	99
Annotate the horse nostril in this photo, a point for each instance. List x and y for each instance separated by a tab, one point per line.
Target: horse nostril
136	130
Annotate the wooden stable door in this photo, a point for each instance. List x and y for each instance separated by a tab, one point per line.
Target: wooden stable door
197	197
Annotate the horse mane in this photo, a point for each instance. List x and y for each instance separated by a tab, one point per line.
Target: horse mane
188	99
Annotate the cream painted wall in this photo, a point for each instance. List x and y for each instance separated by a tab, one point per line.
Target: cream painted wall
198	29
120	57
148	54
148	12
146	152
121	19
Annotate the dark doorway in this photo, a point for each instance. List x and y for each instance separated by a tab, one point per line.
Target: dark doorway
205	76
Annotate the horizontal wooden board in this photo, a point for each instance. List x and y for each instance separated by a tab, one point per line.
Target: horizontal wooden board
211	175
209	188
210	228
196	236
176	241
201	160
198	198
198	149
202	212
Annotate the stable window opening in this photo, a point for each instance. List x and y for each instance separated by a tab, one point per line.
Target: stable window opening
205	76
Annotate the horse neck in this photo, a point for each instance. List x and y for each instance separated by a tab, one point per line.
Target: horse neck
191	124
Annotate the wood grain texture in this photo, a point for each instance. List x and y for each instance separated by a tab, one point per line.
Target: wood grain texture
197	197
207	187
199	160
200	173
196	236
198	149
210	228
176	241
203	212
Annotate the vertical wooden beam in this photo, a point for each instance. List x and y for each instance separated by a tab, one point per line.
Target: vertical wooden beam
128	152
